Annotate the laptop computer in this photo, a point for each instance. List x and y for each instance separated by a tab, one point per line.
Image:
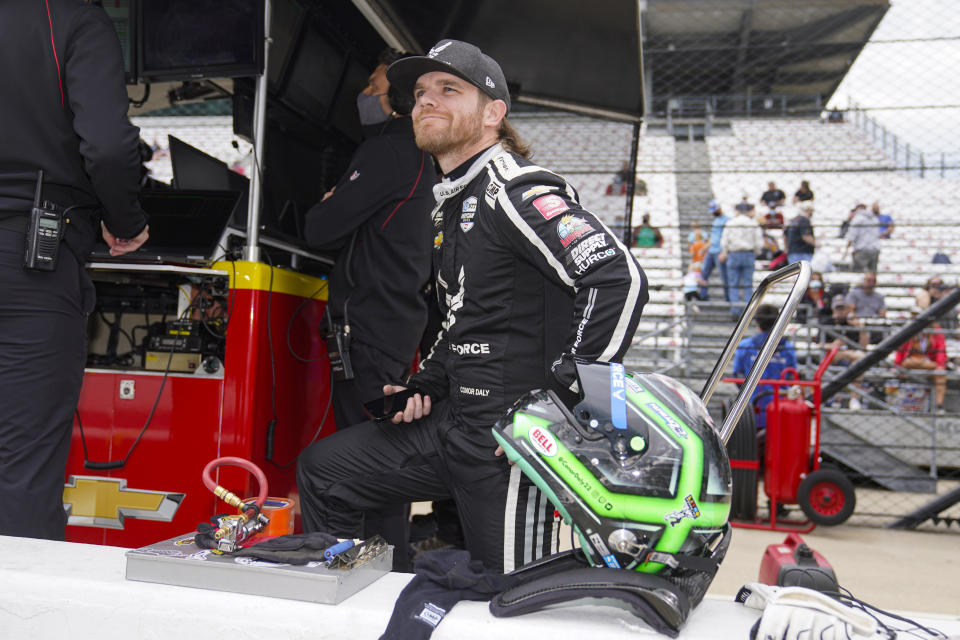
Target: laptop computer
194	169
186	226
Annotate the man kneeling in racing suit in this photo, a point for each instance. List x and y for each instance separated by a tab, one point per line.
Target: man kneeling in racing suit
526	279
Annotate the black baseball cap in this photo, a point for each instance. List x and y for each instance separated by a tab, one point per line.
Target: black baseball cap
459	58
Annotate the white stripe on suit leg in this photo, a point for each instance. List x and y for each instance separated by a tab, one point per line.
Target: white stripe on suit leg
530	525
541	530
510	520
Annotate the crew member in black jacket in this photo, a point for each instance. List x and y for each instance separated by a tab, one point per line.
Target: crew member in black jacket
63	111
526	278
378	217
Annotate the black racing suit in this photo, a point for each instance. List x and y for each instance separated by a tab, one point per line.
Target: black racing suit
63	110
524	276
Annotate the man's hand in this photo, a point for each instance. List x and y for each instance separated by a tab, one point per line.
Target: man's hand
722	257
328	194
499	452
417	406
119	247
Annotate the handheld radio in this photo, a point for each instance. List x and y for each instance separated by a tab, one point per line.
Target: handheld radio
44	232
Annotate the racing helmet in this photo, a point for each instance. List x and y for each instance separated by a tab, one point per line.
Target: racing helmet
636	468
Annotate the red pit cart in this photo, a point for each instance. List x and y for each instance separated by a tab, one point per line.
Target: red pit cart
791	461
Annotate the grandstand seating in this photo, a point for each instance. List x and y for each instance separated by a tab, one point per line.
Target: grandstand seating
211	134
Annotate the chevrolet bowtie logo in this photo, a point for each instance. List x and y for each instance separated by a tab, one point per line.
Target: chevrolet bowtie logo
93	501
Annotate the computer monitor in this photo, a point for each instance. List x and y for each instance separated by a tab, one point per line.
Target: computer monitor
191	39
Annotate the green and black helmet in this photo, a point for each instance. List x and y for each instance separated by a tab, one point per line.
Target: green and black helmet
636	468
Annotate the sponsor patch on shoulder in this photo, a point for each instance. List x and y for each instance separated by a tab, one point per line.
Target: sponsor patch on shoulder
493	188
570	228
536	191
550	206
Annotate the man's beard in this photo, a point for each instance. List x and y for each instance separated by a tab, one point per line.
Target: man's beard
460	134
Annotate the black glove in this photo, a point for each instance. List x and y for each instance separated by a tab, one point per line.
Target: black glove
298	549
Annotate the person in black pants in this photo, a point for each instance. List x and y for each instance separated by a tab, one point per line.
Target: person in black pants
378	219
64	111
526	279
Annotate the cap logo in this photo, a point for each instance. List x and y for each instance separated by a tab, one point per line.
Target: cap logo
490	83
436	50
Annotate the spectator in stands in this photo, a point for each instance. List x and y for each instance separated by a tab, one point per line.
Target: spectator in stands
773	197
927	351
772	219
713	251
932	291
692	284
846	336
749	348
798	235
885	219
835	115
648	235
814	303
741	241
867	303
804	193
699	244
940	258
864	237
620	180
845	225
640	187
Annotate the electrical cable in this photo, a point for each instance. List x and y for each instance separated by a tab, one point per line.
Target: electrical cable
142	101
290	326
846	597
272	424
316	434
117	464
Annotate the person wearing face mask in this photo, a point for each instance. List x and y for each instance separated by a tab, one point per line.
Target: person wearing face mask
814	303
377	220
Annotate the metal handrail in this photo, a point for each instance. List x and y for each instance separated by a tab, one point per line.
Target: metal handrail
802	271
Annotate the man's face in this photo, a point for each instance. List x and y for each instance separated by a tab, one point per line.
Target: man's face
448	114
876	208
936	288
377	83
869	282
772	186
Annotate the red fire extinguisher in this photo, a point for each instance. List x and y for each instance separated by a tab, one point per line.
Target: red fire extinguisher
787	455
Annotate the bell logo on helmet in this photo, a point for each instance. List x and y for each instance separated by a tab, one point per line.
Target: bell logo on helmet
543	441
